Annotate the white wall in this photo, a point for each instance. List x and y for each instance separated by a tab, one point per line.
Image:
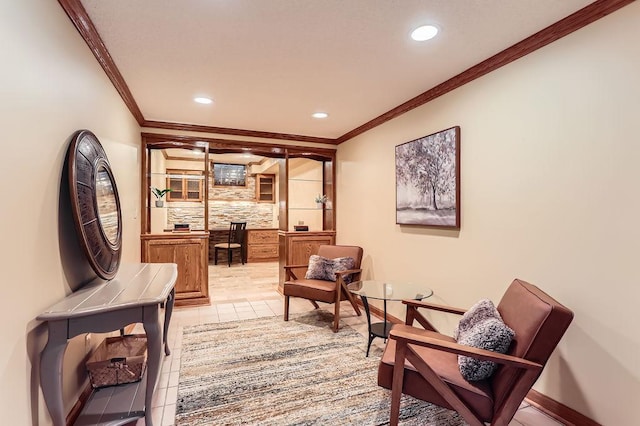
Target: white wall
50	86
550	175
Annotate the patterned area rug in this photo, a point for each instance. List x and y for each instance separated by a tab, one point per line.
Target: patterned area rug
270	372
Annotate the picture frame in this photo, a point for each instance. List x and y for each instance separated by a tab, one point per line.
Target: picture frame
428	180
229	174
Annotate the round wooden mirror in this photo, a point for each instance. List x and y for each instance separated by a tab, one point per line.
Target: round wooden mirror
95	203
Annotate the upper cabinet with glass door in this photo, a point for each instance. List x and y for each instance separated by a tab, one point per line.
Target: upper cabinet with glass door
185	185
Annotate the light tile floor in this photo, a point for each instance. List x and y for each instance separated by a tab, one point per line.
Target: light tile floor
250	291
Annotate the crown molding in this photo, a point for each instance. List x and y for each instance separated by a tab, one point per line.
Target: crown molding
571	23
235	132
78	15
267	149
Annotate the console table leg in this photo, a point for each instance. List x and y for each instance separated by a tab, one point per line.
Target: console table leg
167	318
51	370
151	325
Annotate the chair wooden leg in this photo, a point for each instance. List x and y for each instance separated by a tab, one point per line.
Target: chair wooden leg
215	255
314	303
396	384
351	298
286	308
336	317
229	255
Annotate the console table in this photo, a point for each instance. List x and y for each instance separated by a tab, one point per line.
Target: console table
134	295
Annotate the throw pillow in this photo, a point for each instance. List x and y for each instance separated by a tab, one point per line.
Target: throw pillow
482	310
321	268
344	264
490	334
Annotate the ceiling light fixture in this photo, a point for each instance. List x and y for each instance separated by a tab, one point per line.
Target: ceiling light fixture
423	33
203	100
319	115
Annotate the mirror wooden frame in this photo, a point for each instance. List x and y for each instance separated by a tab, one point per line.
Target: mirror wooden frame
86	158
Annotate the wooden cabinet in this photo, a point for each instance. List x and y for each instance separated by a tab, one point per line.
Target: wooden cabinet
163	163
265	188
262	245
185	185
296	248
190	252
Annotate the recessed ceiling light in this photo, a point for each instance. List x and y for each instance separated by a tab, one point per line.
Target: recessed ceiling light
423	33
319	115
202	100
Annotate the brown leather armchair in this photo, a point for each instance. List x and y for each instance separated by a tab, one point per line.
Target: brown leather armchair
320	290
424	363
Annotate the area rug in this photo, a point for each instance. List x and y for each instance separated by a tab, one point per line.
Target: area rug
270	372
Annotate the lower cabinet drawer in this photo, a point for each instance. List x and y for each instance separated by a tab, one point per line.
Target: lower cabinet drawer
263	237
262	252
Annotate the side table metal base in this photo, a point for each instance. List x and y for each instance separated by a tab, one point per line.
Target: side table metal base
379	329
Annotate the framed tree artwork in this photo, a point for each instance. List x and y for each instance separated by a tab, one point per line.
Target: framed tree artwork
428	180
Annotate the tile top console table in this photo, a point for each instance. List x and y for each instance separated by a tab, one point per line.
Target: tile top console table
134	295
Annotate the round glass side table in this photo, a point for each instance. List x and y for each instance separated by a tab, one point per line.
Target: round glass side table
385	291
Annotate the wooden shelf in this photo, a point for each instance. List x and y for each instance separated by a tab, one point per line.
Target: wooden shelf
114	405
265	185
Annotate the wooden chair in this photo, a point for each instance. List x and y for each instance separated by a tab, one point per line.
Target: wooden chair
321	290
235	241
424	363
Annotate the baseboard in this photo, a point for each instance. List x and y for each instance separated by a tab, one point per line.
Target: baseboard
79	405
558	411
552	408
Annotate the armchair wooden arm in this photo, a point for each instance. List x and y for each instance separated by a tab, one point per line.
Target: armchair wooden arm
288	271
296	266
405	335
347	272
442	308
413	314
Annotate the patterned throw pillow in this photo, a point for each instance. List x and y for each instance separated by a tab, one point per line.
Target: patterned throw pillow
482	327
482	310
321	268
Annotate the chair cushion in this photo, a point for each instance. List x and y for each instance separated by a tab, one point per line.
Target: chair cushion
477	394
322	268
323	291
482	327
227	245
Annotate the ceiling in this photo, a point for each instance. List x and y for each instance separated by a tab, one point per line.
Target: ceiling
269	64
